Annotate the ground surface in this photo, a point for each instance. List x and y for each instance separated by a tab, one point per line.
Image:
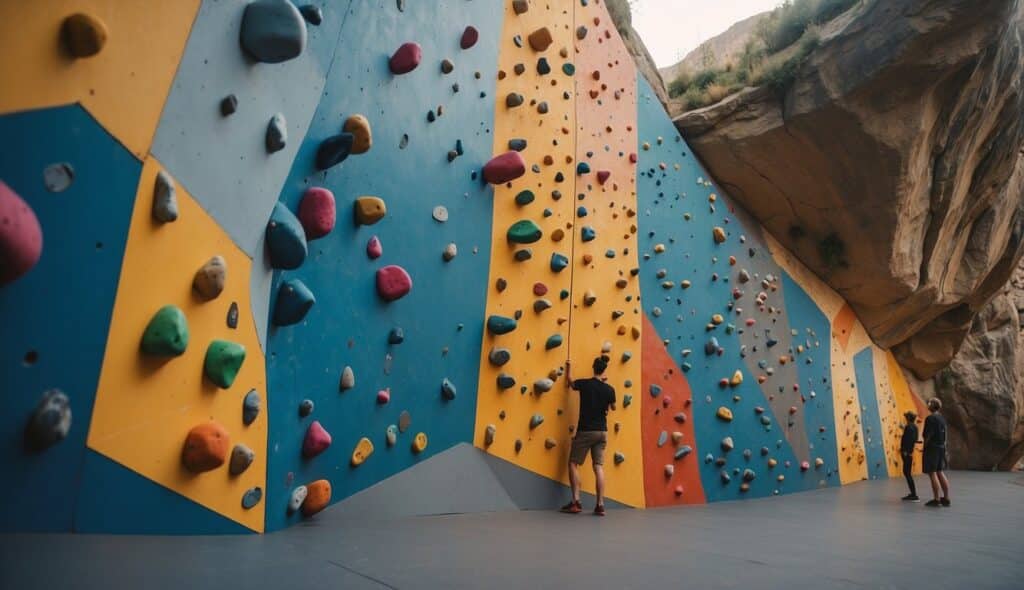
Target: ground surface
858	536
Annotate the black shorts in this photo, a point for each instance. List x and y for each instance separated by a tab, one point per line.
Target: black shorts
934	459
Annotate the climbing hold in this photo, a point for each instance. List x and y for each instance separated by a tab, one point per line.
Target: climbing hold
505	381
440	213
277	134
318	496
553	341
489	433
317	212
312	14
540	39
316	441
524	231
419	442
540	305
294	300
405	59
404	421
504	168
209	280
58	177
589	297
513	99
206	447
391	435
222	362
662	438
296	499
602	176
228	105
498	325
252	497
749	475
627	400
804	466
719	234
543	68
348	379
582	168
251	407
374	249
682	451
369	210
396	336
549	443
819	462
619	457
724	413
499	356
587	233
447	390
166	333
305	408
543	385
50	421
384	396
520	6
536	420
364	448
241	458
393	282
334	150
523	255
82	35
680	417
517	145
558	262
728	444
286	239
581	32
469	37
362	136
737	378
273	31
450	251
518	445
655	390
669	469
165	202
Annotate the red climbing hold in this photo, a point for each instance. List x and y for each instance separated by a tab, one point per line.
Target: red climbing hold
317	440
317	212
21	238
602	176
540	289
384	396
632	158
504	168
405	58
469	37
393	282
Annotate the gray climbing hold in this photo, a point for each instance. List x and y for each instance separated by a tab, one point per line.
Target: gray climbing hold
450	252
50	422
277	133
749	475
540	305
536	420
58	177
273	31
391	435
251	407
297	498
312	14
404	421
727	444
348	379
165	202
619	457
447	390
209	280
683	451
662	438
232	319
440	213
228	105
489	433
505	381
241	458
252	497
305	407
396	335
543	385
499	356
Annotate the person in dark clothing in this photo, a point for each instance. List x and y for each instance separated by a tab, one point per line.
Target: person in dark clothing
934	459
907	444
596	398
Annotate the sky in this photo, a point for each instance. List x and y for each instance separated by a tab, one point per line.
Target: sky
671	28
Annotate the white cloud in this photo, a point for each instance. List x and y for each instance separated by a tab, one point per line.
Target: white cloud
671	28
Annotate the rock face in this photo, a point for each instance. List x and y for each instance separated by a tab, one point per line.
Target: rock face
891	165
619	11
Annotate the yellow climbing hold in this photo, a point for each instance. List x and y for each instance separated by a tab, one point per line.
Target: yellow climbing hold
724	413
659	248
717	319
737	378
370	210
719	234
419	442
364	448
684	284
359	127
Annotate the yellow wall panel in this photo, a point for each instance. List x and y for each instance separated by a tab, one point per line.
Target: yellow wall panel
144	406
124	86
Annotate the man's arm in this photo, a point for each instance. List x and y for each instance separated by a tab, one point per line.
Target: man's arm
568	376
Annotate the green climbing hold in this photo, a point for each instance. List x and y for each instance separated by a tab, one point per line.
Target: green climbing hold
568	68
166	334
524	232
525	198
554	341
497	324
223	360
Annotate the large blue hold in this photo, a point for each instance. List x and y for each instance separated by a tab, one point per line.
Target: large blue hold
293	302
273	31
286	240
498	325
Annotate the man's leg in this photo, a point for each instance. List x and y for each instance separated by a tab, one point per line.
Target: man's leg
944	483
574	480
908	466
935	484
599	478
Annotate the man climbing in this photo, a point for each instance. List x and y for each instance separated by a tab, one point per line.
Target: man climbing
934	460
596	398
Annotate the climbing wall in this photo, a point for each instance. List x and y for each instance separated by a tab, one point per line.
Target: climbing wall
258	257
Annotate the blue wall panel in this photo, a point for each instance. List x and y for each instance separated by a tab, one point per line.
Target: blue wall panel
871	422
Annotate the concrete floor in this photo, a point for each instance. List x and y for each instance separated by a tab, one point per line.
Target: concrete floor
858	536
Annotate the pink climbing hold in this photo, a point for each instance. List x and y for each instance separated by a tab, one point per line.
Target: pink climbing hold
679	490
317	440
21	238
384	396
666	400
393	282
405	58
317	212
469	37
374	249
804	466
504	168
602	176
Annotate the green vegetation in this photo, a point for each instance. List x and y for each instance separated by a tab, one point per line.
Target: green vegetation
780	44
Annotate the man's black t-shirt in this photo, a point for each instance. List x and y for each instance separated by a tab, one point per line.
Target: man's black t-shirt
934	431
595	397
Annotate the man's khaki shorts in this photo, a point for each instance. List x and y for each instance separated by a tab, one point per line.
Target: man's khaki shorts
593	441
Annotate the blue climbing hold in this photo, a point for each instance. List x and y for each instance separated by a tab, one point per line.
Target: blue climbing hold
286	240
554	341
558	262
581	211
711	346
683	451
252	497
396	336
587	233
662	438
497	324
655	390
523	255
582	168
294	299
273	31
334	150
251	407
447	390
506	381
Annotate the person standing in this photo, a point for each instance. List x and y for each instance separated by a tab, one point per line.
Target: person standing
907	444
596	398
934	459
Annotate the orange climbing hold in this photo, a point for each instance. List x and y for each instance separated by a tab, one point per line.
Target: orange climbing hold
206	447
318	496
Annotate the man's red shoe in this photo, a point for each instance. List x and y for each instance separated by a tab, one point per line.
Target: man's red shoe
573	507
599	510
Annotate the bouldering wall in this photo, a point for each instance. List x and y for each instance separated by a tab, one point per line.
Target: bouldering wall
271	257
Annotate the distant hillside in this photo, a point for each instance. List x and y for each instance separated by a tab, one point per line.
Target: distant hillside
723	46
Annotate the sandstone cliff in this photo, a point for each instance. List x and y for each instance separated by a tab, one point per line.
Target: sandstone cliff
623	19
891	164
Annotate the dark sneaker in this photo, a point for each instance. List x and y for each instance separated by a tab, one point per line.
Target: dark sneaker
573	507
932	503
599	510
945	502
910	498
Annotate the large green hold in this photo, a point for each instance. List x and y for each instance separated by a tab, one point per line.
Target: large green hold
524	232
223	360
166	334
